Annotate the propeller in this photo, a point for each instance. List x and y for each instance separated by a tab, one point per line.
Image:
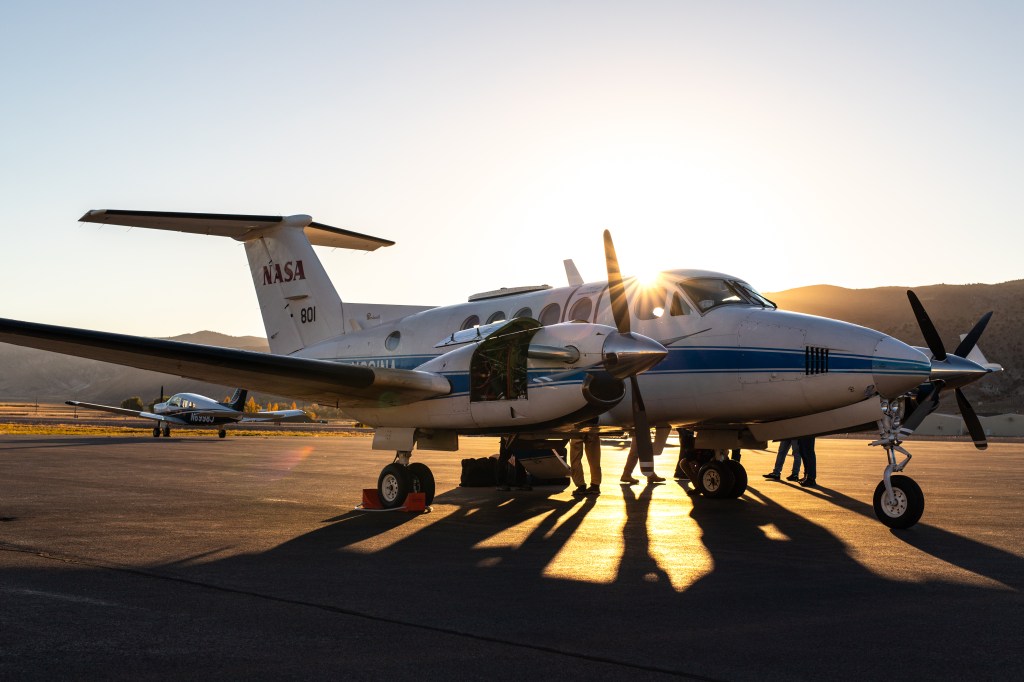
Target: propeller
949	370
620	312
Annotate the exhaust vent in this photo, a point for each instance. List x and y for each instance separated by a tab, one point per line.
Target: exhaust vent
815	360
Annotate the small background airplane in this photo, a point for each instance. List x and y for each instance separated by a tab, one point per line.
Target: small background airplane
192	409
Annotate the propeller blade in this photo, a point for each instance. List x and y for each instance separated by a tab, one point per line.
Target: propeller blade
971	340
642	434
931	336
924	407
971	420
616	289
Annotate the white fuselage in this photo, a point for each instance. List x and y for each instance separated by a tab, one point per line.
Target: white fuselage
729	361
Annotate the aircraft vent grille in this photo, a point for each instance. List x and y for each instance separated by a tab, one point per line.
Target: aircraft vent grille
815	360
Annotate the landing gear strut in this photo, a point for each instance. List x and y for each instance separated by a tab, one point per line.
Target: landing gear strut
898	500
400	478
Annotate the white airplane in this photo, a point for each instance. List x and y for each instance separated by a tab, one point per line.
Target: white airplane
697	350
192	409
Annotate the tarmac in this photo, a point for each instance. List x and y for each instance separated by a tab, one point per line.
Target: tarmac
195	557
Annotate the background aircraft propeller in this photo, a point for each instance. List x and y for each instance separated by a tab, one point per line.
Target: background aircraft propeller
948	370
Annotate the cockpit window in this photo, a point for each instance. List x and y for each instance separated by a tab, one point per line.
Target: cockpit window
757	298
709	293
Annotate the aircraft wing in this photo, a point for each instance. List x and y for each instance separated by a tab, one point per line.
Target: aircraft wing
277	416
125	411
320	381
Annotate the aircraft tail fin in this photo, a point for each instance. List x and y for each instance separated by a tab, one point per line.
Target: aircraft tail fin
300	305
237	401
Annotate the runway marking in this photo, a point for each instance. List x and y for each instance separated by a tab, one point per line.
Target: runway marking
60	597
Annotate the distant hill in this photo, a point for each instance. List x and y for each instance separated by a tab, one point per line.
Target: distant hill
32	375
953	308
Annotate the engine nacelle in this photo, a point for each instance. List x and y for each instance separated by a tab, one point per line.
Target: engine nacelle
519	377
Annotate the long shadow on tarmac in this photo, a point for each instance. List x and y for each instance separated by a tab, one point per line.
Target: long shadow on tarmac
792	603
784	598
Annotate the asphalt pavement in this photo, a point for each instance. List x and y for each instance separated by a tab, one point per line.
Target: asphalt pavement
199	557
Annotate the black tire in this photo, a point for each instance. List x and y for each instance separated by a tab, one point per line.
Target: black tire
167	432
393	486
421	480
156	432
222	434
715	480
739	486
909	503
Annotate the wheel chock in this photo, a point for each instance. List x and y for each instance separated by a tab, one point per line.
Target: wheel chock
371	500
414	502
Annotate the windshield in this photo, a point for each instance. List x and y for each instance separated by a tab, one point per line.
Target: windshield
756	297
711	292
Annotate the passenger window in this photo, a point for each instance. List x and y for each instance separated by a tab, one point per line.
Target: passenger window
523	312
551	314
496	317
678	306
471	321
581	310
649	303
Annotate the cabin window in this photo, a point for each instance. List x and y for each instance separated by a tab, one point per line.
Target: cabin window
551	314
649	303
496	317
471	321
394	338
678	306
581	310
523	312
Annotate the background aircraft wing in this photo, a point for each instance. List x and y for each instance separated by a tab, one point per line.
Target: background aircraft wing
320	381
125	411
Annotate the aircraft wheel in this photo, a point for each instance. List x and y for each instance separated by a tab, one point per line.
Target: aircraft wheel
715	480
739	486
167	432
421	480
393	485
909	503
156	432
222	434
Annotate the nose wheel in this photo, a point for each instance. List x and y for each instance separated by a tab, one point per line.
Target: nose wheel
903	508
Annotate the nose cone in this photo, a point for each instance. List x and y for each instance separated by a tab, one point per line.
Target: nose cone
629	354
898	368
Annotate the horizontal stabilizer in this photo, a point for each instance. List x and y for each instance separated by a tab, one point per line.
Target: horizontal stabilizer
240	227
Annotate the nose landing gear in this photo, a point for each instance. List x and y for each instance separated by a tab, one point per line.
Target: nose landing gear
898	500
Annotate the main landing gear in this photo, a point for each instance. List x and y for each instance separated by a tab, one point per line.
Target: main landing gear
400	478
166	431
712	472
898	500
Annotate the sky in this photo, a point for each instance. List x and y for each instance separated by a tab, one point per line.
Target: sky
788	143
